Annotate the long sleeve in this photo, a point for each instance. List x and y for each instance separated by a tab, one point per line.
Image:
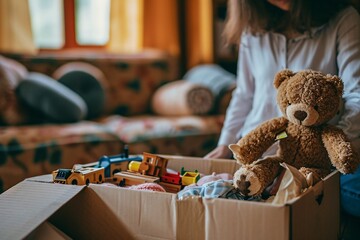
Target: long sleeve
242	98
348	61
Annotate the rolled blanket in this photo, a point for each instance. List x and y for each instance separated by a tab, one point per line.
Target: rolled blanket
181	97
218	80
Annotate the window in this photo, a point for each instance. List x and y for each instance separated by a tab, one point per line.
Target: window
47	23
59	24
92	22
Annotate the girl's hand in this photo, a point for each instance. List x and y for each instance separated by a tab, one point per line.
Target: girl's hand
220	152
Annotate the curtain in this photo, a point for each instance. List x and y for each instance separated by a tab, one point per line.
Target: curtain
15	27
136	25
126	26
199	32
161	25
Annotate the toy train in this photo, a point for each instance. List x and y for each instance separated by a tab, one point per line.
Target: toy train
97	172
151	168
125	170
81	176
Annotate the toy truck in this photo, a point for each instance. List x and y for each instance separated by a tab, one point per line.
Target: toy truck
80	176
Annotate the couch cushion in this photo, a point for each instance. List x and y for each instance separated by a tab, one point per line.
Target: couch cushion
88	82
53	100
131	78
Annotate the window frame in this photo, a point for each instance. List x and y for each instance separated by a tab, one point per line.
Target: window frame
70	31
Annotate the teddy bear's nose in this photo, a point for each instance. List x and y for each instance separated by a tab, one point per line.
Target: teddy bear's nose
300	115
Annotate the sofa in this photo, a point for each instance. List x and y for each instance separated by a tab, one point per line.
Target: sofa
130	115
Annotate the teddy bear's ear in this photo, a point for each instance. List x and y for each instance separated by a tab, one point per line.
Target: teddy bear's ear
337	82
234	148
282	76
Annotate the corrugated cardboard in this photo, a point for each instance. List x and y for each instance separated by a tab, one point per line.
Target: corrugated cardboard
47	231
106	212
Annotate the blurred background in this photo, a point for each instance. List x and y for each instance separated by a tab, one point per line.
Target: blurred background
190	30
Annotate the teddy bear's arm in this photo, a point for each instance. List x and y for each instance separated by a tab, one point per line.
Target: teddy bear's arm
340	150
251	147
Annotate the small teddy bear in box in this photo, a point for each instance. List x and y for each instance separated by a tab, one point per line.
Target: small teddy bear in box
308	100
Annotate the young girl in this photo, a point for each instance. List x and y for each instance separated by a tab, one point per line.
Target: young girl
322	35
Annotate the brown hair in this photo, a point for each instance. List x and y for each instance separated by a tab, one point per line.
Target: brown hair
259	16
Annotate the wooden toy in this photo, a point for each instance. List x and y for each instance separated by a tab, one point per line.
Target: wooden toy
156	164
171	178
96	172
190	178
79	176
129	178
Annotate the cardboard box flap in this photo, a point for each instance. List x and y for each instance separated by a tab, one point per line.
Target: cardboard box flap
47	178
87	216
321	218
29	203
47	231
238	220
145	214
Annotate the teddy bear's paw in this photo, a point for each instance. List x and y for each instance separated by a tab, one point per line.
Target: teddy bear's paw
348	163
311	177
247	182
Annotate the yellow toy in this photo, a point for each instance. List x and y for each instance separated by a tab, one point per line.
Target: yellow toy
79	176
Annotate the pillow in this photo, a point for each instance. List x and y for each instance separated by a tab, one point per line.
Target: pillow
88	82
181	98
55	101
218	80
11	73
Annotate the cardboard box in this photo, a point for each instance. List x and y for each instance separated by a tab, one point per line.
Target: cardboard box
37	207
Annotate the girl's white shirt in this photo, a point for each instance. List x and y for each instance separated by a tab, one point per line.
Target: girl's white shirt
333	48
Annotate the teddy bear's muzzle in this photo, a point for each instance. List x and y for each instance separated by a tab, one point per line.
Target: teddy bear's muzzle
302	114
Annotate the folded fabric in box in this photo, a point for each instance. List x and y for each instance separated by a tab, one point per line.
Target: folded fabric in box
182	98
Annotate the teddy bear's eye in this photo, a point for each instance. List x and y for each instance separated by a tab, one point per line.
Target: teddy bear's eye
316	107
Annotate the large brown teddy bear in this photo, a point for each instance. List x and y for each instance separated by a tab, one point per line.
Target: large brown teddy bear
307	99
